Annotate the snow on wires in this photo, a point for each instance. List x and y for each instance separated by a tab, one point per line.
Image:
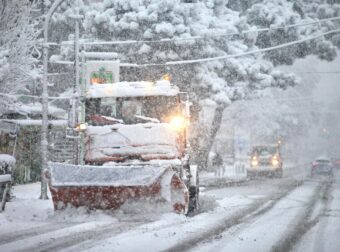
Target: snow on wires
223	57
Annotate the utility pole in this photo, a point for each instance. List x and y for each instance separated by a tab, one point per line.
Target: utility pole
76	86
44	126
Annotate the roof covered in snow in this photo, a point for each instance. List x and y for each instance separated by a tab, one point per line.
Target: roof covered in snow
132	89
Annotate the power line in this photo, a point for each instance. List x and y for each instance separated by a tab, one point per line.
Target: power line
182	62
167	40
330	72
203	60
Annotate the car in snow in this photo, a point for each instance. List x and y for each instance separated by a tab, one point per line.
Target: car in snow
265	159
322	165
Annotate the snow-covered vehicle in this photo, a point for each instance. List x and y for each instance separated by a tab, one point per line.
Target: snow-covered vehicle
7	163
265	159
322	165
134	148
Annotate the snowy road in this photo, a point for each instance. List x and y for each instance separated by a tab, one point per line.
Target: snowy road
258	215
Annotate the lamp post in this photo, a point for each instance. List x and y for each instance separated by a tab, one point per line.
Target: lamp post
44	126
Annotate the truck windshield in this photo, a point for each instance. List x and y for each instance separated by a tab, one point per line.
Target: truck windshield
133	110
264	150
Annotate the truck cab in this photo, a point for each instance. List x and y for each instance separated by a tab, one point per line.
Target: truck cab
139	121
265	159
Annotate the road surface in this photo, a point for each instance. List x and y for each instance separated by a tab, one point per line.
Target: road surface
295	213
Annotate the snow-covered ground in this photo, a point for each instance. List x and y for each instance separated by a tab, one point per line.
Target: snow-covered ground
325	234
263	214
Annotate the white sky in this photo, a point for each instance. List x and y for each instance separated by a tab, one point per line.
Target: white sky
327	85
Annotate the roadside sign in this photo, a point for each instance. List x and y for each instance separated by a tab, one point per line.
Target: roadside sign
101	72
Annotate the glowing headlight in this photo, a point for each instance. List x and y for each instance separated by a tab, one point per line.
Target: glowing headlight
178	123
81	127
275	162
254	162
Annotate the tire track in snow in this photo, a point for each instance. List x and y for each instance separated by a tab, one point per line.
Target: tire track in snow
61	238
22	234
158	225
264	231
252	211
305	221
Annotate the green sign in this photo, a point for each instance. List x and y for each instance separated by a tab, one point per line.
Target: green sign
101	77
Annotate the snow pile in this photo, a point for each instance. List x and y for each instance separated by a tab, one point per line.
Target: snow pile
72	175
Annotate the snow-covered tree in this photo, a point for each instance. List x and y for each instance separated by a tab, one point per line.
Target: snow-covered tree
274	13
18	50
221	82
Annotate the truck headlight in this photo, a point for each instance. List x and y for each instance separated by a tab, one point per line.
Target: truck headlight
254	162
275	162
178	123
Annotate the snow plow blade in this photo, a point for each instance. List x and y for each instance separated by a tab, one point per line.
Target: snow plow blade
110	187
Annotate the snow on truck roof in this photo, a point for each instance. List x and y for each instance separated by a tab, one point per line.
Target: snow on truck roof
132	89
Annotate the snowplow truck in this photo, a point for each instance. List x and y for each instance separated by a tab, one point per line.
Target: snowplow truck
134	148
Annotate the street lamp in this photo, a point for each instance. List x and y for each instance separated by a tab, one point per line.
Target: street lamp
44	126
